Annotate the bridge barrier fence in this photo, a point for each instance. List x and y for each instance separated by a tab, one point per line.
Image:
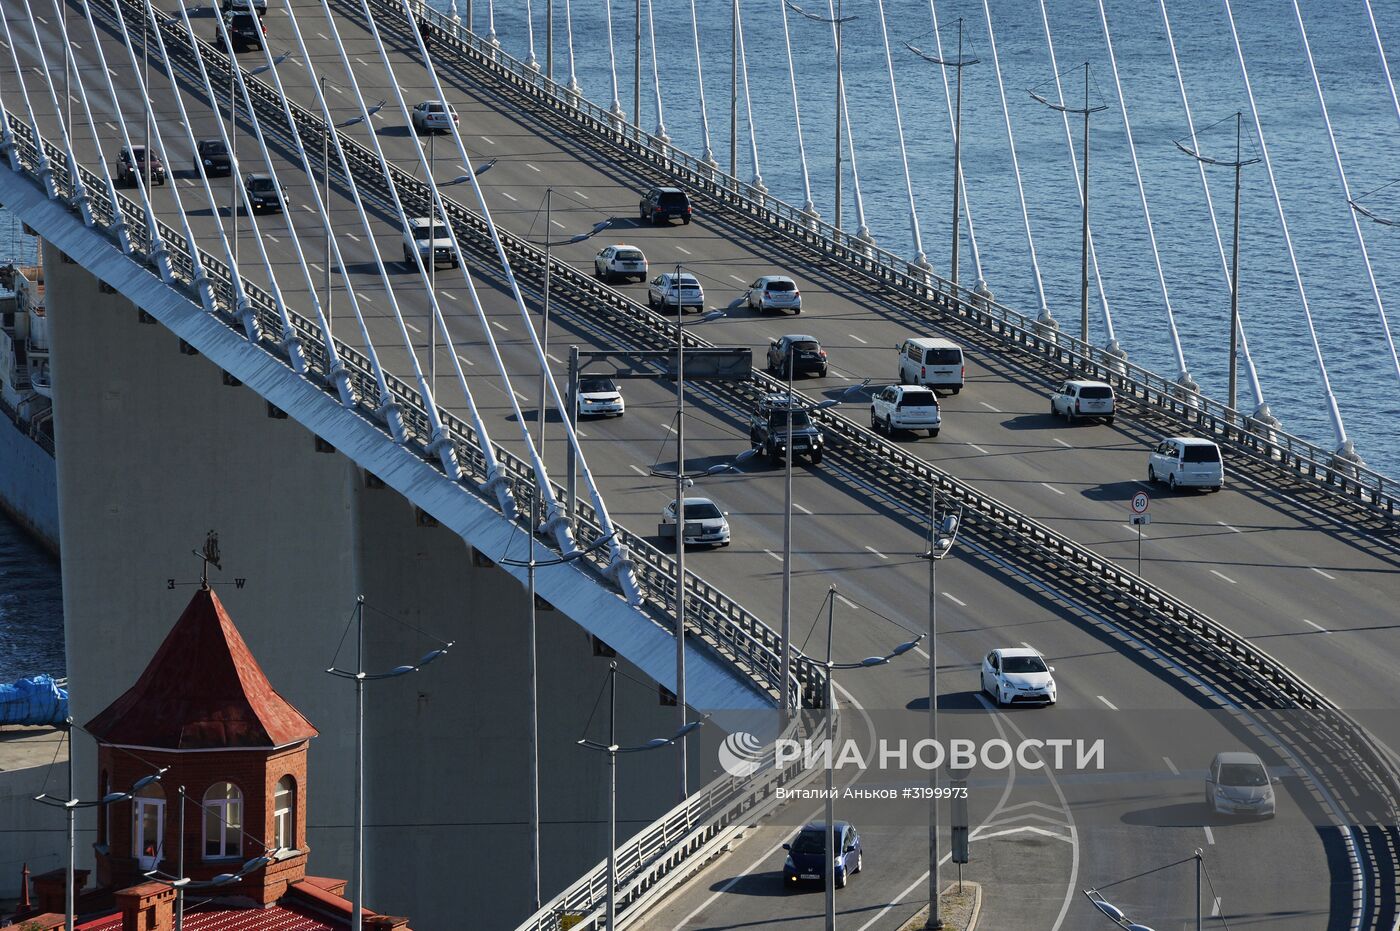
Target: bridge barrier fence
1163	618
923	292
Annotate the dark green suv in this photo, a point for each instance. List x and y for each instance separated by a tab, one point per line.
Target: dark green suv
768	429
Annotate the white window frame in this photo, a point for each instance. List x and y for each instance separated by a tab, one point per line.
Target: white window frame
287	812
219	807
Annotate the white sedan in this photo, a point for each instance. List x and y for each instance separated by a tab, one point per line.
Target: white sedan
620	261
1018	676
599	397
705	523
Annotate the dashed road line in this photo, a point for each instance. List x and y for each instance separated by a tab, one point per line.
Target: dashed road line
363	63
684	249
1228	527
1052	488
354	237
551	358
273	238
323	38
989	407
635	469
1223	576
774	555
450	296
581	194
955	599
857	339
847	602
463	358
531	167
508	194
412	327
877	552
1063	443
1317	625
557	223
520	394
1111	705
1325	575
488	140
1210	835
737	278
979	449
499	325
804	510
1171	766
110	125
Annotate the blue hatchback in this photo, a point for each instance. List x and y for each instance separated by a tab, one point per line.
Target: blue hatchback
806	861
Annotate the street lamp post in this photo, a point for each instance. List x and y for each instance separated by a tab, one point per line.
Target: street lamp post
830	793
612	749
1116	915
836	23
532	678
941	537
360	677
1084	215
70	806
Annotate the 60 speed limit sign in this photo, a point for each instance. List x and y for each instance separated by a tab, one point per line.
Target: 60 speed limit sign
1140	502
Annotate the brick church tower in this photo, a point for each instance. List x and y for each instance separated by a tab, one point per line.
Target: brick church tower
204	708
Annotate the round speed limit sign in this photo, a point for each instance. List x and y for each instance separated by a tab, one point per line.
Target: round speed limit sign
1139	504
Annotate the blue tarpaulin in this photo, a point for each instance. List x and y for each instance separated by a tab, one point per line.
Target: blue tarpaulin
37	700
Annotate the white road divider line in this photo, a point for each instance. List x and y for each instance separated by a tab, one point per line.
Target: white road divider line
557	223
737	278
1318	626
1052	488
635	469
955	599
1171	766
465	359
684	249
354	237
412	327
1223	576
508	195
989	407
804	510
488	140
1325	575
499	325
1228	527
1063	443
581	194
857	339
877	552
1210	835
1111	705
979	449
531	167
450	296
774	555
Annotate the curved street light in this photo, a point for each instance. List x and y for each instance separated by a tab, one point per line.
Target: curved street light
941	537
72	803
1116	915
612	749
360	677
530	565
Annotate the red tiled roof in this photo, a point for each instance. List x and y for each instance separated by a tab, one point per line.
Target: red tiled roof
214	918
203	689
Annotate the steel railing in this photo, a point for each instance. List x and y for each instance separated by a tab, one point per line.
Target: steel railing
915	288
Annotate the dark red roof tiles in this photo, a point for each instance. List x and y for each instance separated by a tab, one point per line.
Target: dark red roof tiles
202	690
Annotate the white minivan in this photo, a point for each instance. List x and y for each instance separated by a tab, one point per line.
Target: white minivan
1186	462
932	362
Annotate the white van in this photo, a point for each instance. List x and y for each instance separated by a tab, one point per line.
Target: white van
931	361
1186	462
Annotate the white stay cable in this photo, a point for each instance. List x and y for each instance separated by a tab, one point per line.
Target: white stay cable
235	276
243	307
1346	190
75	177
808	208
1344	445
953	128
42	165
1261	410
920	259
619	563
656	79
862	230
198	275
158	250
572	87
616	108
491	23
1113	345
1045	316
708	156
1385	65
748	104
1183	373
118	217
530	59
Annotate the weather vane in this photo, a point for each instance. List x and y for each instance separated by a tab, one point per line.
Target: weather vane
207	555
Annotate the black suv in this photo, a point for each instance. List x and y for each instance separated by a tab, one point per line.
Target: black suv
131	163
768	426
245	30
214	156
263	193
665	203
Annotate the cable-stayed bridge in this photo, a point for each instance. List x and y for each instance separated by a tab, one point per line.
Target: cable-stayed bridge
1270	596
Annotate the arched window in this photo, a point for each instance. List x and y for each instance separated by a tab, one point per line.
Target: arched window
284	806
148	826
223	821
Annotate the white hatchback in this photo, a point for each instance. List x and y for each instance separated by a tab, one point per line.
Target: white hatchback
774	292
620	261
1187	462
1018	676
664	292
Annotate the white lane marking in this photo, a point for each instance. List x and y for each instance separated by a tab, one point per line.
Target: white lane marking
847	602
877	552
683	249
979	449
955	599
737	278
76	44
1111	705
317	266
1131	529
557	223
336	89
1228	527
488	140
1317	625
412	327
774	555
1063	443
366	297
520	394
1171	766
551	358
450	296
531	167
1052	488
581	194
857	339
308	208
635	469
323	38
1210	835
354	237
499	325
362	62
110	125
41	19
273	238
1325	575
465	359
989	407
580	434
1223	576
508	194
804	510
1215	908
920	651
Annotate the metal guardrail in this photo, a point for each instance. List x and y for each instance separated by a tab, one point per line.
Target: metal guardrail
921	291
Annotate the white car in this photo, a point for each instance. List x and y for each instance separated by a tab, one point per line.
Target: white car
1187	462
663	292
1077	398
1238	784
905	407
705	523
1018	676
932	361
774	292
430	241
620	261
599	397
433	116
